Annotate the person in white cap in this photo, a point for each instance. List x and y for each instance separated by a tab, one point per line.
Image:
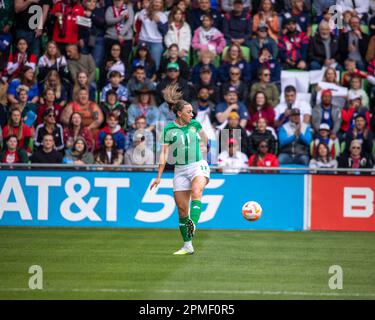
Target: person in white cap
324	136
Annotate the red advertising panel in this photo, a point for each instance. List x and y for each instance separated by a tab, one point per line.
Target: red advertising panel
342	203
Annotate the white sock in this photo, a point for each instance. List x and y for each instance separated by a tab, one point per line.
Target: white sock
188	244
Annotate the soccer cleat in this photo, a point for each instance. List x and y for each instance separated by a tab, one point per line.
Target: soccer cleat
184	251
190	228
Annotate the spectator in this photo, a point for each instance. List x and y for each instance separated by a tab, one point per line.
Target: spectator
76	129
283	110
262	133
115	85
236	82
264	85
108	153
195	16
295	138
234	58
11	153
237	24
359	8
356	88
27	108
79	153
205	79
323	49
278	6
54	83
362	133
262	40
371	77
27	78
351	71
145	105
203	103
260	108
16	127
323	158
166	114
141	128
353	44
205	60
92	116
354	158
233	130
173	77
53	60
49	103
293	46
267	15
349	113
92	38
288	5
321	6
112	105
266	61
231	159
112	62
143	58
66	30
78	62
178	33
207	37
326	113
154	27
229	5
115	130
172	56
263	158
302	17
82	82
6	23
22	27
231	103
139	153
49	126
137	81
323	135
47	154
18	60
119	19
370	54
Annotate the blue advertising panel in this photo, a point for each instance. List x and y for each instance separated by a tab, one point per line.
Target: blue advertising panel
123	199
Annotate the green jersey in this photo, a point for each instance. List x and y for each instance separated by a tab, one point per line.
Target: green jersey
183	141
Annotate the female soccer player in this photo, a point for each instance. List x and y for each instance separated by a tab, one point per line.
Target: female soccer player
183	144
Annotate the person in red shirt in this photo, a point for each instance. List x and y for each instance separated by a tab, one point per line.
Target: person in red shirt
66	29
49	103
16	127
11	153
260	108
262	158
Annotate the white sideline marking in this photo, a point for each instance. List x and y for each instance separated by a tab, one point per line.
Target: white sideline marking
234	292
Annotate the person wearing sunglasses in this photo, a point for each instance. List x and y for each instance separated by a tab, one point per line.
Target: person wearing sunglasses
264	85
354	158
49	126
263	158
236	82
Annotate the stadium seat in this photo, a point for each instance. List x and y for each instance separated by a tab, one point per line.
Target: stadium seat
314	29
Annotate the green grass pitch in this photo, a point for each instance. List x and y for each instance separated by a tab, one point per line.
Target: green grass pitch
138	264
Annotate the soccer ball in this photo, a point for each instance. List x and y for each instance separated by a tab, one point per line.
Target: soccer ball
251	211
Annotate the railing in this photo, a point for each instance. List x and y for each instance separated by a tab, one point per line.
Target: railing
109	167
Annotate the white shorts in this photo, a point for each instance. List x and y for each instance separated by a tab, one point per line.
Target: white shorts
184	175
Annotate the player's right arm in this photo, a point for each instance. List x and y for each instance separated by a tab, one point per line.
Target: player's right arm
162	161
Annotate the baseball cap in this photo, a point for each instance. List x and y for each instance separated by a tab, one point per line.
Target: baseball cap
173	65
354	95
295	112
47	112
289	20
205	69
327	91
233	115
231	89
262	26
238	1
138	137
142	45
324	126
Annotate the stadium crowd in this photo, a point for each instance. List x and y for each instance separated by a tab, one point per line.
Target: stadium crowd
82	81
